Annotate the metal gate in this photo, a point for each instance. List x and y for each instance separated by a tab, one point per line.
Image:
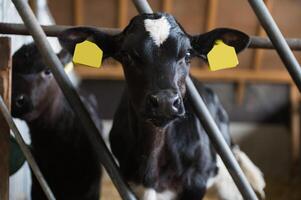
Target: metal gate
37	32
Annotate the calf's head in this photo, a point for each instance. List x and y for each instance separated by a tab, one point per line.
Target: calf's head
155	53
34	87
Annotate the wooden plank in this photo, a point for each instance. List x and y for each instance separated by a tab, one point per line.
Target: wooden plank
123	13
167	5
240	92
295	127
258	53
5	91
114	72
268	76
211	14
78	12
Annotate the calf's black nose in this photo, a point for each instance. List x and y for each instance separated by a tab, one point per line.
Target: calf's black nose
165	103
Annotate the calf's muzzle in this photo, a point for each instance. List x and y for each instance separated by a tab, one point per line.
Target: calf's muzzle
165	103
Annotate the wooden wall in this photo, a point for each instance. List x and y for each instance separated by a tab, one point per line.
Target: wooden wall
191	14
197	16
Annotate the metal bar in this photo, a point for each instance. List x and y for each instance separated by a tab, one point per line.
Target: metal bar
211	128
73	98
265	43
142	6
258	54
29	157
278	40
50	30
55	30
219	142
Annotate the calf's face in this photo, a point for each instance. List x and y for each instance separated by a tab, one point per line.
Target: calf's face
33	87
155	53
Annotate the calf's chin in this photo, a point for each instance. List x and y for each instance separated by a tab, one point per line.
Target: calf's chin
160	122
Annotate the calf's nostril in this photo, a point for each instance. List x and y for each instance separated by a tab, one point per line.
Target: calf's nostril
20	101
177	103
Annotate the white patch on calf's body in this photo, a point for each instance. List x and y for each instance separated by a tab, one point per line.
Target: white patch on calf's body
210	182
166	195
151	194
158	29
252	172
222	184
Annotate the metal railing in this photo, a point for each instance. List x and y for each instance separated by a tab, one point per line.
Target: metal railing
55	30
282	48
31	24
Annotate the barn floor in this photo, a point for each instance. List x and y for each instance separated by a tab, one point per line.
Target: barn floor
268	147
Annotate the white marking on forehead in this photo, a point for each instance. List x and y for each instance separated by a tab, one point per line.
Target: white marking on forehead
158	29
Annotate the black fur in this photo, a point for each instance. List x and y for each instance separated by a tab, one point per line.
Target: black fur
186	159
159	142
59	143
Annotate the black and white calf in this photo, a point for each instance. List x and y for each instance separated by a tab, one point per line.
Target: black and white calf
59	143
163	151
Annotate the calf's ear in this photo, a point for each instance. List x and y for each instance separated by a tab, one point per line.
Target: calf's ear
203	43
70	37
64	56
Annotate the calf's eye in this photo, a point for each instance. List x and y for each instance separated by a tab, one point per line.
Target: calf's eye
47	72
187	57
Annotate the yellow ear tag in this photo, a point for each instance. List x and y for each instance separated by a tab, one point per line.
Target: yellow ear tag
87	53
222	56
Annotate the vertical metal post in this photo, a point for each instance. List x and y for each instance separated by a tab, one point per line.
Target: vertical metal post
211	128
73	98
278	40
8	119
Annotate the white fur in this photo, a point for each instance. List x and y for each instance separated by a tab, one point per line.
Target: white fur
166	195
224	185
158	29
252	172
151	194
211	182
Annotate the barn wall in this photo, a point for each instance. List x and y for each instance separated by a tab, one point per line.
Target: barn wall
192	16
